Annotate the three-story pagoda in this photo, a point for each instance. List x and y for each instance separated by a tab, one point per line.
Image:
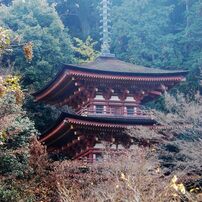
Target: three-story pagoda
106	97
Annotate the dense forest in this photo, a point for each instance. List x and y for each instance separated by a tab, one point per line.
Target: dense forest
37	37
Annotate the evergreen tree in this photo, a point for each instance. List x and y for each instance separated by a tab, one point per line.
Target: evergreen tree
39	23
15	130
139	31
193	33
158	33
81	16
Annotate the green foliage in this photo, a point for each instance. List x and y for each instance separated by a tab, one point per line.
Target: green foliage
14	165
164	34
193	35
80	16
13	119
85	50
140	32
16	130
16	133
159	33
40	111
9	194
38	22
150	32
4	39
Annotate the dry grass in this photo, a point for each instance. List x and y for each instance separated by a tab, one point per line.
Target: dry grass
134	176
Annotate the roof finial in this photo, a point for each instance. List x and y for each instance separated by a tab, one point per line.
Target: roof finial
106	39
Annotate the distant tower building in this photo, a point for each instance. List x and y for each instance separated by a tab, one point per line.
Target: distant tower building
200	82
106	38
107	97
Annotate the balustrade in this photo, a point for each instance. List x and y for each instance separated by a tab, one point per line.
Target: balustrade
115	111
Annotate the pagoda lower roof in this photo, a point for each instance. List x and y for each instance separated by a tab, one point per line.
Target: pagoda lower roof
65	121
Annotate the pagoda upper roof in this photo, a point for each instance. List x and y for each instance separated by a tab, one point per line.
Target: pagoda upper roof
109	68
116	66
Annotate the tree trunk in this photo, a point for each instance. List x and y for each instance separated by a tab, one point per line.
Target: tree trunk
83	17
187	3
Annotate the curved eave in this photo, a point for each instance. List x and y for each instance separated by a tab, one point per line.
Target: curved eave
68	119
77	70
148	74
50	83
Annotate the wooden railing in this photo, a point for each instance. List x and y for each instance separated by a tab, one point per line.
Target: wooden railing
119	112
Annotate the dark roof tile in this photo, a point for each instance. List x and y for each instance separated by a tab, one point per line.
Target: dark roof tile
113	64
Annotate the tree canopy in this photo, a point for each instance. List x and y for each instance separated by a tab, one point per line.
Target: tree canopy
37	37
39	23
